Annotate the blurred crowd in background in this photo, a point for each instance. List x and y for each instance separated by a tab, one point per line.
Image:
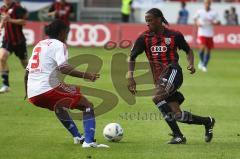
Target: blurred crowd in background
230	15
125	11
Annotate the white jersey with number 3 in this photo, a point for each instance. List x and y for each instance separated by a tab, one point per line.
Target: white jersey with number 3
205	19
43	66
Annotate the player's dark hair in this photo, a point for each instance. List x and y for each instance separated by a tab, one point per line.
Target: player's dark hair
158	14
54	28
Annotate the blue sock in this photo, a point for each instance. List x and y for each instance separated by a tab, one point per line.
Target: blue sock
201	55
89	126
67	121
206	59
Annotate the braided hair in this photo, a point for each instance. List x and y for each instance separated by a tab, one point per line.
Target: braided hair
158	14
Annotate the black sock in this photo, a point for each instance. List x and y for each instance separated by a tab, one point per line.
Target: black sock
190	118
5	78
166	112
200	120
174	127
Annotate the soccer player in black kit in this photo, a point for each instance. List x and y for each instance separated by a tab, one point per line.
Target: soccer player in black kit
160	45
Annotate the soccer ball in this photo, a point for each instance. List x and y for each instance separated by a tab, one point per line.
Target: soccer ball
113	132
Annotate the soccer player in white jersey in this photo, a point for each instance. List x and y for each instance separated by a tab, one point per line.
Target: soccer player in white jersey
44	89
205	19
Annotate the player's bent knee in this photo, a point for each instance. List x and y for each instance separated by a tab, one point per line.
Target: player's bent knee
91	105
86	108
85	103
89	111
183	116
159	96
176	97
3	58
155	99
4	54
80	107
178	116
65	102
61	111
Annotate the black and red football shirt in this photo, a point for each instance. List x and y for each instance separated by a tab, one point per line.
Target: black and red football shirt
63	11
161	49
14	32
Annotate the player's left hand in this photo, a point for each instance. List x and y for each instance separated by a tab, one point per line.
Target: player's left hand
132	86
191	69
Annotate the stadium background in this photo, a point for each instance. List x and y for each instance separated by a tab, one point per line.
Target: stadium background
30	132
103	22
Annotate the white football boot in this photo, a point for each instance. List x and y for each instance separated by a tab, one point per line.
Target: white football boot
4	89
93	145
204	69
200	65
78	140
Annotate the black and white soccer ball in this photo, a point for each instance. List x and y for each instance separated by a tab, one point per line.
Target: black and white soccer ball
113	132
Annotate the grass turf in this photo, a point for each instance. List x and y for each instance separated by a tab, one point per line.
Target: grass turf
29	132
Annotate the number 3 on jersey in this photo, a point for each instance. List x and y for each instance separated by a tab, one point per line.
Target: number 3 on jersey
35	59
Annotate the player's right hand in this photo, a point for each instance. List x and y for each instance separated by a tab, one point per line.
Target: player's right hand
132	86
91	76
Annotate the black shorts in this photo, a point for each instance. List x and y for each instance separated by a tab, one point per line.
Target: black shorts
171	79
20	50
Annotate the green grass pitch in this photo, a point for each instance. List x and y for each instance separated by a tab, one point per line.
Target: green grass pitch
29	132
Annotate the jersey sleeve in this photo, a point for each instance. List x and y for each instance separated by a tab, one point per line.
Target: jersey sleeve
182	43
61	55
138	47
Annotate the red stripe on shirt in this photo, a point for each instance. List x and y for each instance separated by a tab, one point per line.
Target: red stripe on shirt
17	28
172	51
155	55
150	58
163	54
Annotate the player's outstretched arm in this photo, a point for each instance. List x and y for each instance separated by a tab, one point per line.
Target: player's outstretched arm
71	71
190	59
